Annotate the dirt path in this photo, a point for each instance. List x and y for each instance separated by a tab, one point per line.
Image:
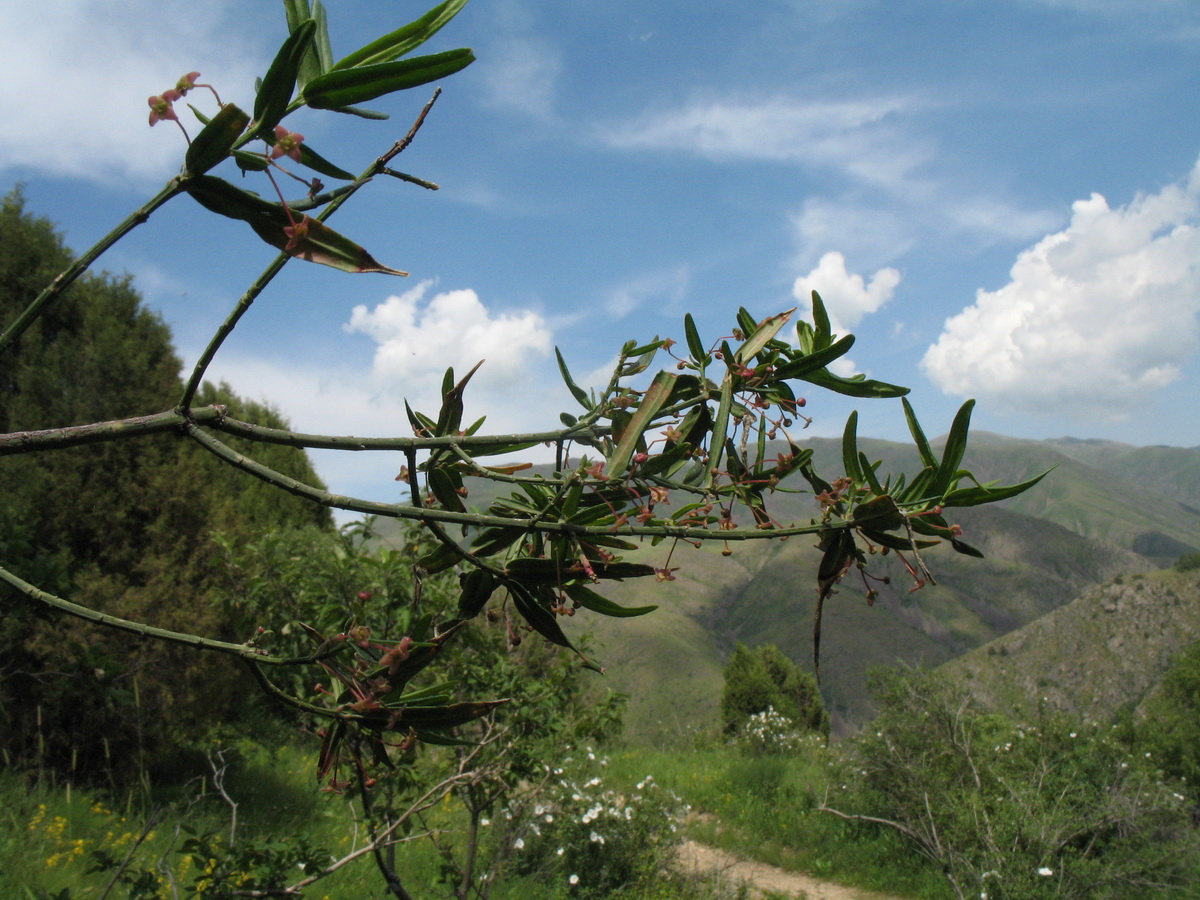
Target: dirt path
699	859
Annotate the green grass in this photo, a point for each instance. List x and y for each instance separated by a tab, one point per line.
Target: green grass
763	808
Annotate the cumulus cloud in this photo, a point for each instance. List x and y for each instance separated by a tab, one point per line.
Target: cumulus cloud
1096	317
847	297
417	339
74	99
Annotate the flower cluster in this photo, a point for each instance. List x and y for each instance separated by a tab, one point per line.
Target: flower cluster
595	838
770	732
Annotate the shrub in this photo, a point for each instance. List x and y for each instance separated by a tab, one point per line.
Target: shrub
764	678
592	838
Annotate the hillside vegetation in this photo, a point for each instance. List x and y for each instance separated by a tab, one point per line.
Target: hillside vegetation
1087	523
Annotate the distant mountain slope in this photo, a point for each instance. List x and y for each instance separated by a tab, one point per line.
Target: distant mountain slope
1099	653
1096	516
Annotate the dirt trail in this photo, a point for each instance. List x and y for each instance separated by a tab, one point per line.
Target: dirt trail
699	859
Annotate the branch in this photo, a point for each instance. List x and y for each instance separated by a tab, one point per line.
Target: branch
118	429
245	651
248	298
403	511
66	278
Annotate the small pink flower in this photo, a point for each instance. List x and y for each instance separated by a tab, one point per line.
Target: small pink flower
287	143
186	83
160	107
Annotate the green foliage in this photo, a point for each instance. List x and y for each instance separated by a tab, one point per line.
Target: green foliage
1170	727
1189	562
125	524
1056	809
764	678
591	839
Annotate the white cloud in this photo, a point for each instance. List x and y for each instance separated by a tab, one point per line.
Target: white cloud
1097	317
522	75
847	297
417	340
77	75
857	137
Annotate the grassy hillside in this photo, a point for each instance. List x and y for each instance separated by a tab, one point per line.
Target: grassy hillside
1099	653
1085	523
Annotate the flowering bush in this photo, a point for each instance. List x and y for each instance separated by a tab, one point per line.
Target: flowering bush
1012	810
593	838
770	732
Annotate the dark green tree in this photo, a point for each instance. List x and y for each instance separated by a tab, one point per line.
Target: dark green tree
763	678
128	524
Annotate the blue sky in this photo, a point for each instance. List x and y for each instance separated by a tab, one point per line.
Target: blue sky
999	198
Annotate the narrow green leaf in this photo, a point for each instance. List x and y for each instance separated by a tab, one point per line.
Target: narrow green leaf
493	540
309	157
966	549
822	332
361	113
444	490
720	428
576	391
477	588
324	51
589	599
955	449
346	87
298	12
275	91
977	496
695	345
439	559
652	401
802	366
763	333
215	141
854	387
850	448
918	435
450	416
312	240
422	425
250	162
869	474
879	513
895	542
404	39
537	616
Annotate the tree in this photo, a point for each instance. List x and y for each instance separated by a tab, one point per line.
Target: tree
125	524
1057	808
764	678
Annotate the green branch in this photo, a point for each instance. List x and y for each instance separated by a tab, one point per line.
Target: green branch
64	279
415	513
76	435
244	651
